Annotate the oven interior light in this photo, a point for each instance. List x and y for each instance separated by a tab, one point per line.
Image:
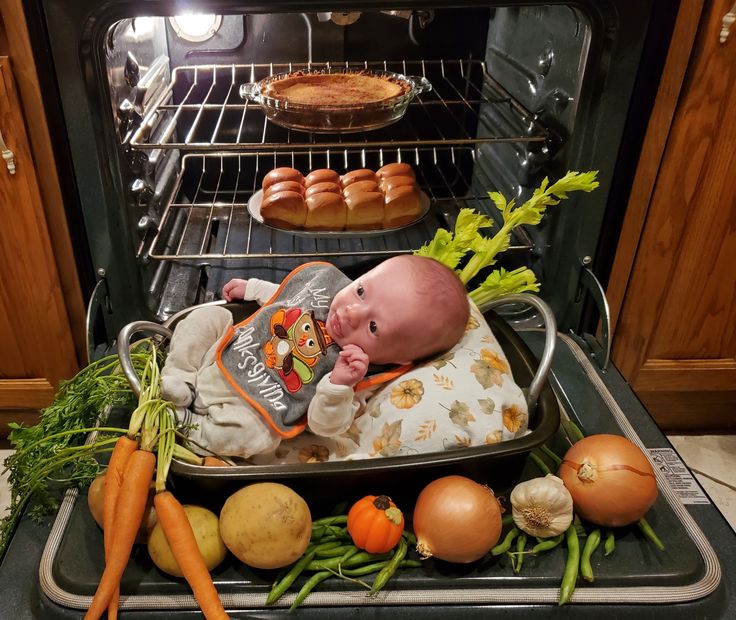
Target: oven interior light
195	27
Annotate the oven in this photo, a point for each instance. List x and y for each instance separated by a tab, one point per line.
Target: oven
164	153
161	152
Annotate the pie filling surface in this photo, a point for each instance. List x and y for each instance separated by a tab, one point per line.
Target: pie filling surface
325	89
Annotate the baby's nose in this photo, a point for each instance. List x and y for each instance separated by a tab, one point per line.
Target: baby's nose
353	313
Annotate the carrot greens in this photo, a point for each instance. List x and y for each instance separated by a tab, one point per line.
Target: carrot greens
53	453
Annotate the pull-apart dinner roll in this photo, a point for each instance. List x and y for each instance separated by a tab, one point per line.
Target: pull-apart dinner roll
399	169
389	183
284	209
323	175
357	175
325	211
365	210
402	206
277	175
318	188
359	187
284	186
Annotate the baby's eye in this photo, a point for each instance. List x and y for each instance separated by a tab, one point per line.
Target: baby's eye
373	327
360	290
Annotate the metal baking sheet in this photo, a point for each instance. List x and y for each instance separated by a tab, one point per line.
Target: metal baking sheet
254	209
637	573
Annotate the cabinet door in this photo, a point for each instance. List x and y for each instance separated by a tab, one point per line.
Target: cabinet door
36	349
676	336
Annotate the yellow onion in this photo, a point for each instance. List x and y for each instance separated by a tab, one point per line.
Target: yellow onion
456	519
610	479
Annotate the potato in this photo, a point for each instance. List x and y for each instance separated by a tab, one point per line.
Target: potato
95	500
206	528
266	525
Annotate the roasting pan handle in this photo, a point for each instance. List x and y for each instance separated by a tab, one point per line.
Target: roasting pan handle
550	339
126	363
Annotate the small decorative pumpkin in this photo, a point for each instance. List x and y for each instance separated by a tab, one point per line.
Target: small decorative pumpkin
375	524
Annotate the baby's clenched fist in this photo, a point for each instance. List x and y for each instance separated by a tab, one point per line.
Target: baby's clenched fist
350	367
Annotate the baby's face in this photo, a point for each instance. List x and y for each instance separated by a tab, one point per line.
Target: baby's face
381	313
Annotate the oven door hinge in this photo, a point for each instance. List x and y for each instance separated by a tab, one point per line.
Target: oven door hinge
590	285
97	307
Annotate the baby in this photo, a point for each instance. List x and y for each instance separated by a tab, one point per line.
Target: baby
316	346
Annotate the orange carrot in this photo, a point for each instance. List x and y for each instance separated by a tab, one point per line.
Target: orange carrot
183	545
129	511
213	461
124	447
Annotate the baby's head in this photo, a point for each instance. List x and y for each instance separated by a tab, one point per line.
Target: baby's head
405	309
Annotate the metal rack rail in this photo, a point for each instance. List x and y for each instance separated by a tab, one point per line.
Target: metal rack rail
207	219
201	110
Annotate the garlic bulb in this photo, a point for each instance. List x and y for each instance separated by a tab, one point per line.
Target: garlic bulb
542	506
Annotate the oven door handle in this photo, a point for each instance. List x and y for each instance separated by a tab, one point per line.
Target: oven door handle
550	340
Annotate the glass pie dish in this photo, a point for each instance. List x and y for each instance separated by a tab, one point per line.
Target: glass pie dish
335	101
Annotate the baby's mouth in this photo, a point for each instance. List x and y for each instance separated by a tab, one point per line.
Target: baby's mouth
334	327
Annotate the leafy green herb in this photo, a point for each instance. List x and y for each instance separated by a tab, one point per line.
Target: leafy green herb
451	248
52	453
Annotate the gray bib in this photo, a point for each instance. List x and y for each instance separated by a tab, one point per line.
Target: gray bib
276	357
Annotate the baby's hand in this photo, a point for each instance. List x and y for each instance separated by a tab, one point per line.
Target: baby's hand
235	289
350	367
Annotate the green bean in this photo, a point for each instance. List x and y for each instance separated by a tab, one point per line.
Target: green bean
552	455
579	528
364	570
335	551
282	586
649	533
375	567
356	560
610	545
325	531
410	538
569	577
349	554
506	544
520	546
591	544
507	520
311	583
390	568
539	462
572	430
336	520
545	544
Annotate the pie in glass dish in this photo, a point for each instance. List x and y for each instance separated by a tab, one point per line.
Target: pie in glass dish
335	101
336	89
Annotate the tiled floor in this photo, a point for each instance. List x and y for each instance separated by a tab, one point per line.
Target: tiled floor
712	459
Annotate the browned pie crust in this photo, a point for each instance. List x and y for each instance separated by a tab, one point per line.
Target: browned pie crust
335	89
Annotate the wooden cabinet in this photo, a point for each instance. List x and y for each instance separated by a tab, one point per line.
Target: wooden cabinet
675	274
41	310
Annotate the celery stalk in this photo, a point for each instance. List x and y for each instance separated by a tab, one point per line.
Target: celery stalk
501	282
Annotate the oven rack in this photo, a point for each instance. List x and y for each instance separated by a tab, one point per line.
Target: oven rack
206	221
201	110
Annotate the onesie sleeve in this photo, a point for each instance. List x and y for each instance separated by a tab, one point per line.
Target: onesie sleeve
332	409
259	290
